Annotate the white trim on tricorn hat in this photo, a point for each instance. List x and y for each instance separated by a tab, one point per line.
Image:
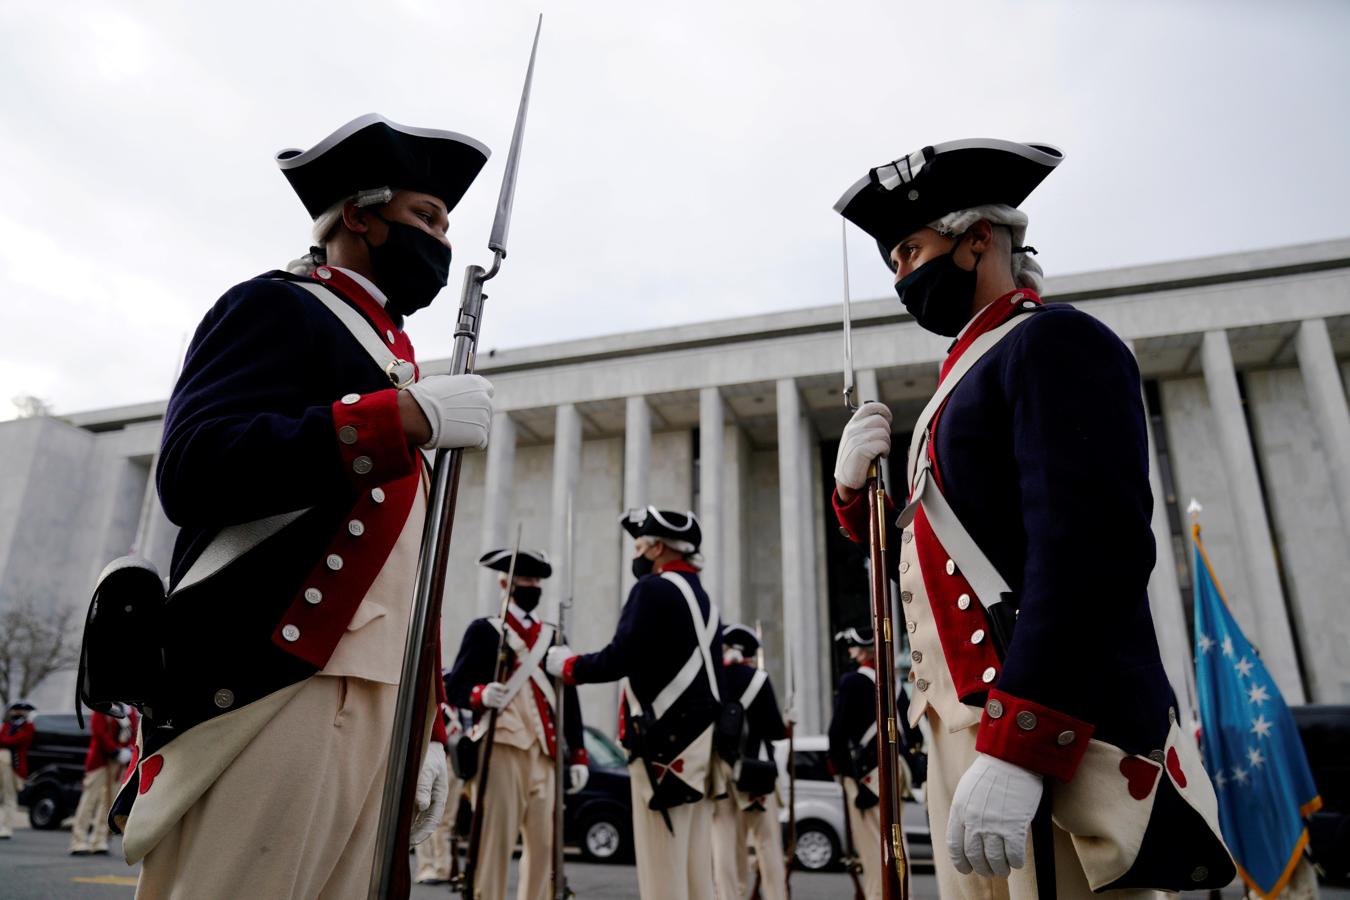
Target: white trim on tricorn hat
372	152
529	563
680	530
898	198
742	636
853	637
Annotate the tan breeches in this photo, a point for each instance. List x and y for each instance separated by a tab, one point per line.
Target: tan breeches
672	863
433	854
734	831
10	785
90	829
866	825
294	815
519	804
948	758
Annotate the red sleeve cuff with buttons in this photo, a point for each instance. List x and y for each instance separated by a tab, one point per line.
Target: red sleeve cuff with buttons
579	757
476	698
567	676
1032	736
852	515
370	438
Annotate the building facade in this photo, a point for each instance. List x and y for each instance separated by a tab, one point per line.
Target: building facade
1245	358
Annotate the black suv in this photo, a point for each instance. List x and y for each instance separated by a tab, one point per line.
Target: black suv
1325	730
55	769
599	817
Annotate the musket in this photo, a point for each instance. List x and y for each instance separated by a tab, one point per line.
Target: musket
390	877
560	889
499	675
894	866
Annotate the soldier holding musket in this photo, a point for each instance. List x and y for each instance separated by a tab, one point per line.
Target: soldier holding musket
666	650
292	460
748	815
517	801
1029	504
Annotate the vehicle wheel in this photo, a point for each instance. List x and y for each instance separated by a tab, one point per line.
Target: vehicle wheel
817	846
604	839
45	812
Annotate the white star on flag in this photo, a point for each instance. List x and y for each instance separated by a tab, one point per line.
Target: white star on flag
1240	774
1206	642
1260	727
1227	645
1244	667
1221	780
1255	758
1258	694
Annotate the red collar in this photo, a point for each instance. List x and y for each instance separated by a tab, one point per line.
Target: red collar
368	306
989	318
676	565
526	634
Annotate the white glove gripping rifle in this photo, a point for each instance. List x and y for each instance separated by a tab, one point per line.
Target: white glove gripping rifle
894	867
559	889
390	878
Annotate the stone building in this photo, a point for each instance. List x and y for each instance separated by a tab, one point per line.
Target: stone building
1245	358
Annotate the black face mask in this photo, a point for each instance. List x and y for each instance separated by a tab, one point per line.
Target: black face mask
410	267
527	598
642	566
939	294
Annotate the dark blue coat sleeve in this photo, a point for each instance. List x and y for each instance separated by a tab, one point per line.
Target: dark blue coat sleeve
475	664
1080	443
243	438
766	719
854	710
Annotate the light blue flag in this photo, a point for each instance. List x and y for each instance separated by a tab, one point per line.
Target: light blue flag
1251	745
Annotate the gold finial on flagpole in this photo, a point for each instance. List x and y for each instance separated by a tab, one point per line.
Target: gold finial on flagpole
1193	509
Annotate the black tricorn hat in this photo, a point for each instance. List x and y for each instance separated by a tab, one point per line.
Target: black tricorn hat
858	636
664	525
529	563
895	200
372	152
742	637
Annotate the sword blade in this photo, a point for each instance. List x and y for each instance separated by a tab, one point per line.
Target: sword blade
849	400
501	224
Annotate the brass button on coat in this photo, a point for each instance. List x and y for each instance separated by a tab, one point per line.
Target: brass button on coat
963	602
917	656
922	684
988	675
907	596
347	434
334	562
313	596
362	465
350	399
356	528
994	708
224	698
377	494
1026	720
904	565
951	567
290	633
1065	738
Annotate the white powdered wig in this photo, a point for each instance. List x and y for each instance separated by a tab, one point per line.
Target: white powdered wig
1026	271
323	226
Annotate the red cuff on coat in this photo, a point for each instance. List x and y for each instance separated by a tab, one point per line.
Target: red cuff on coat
579	757
1032	736
476	698
369	432
438	733
852	516
567	676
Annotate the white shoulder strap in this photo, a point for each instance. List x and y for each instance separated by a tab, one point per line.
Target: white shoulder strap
356	323
752	689
699	658
527	659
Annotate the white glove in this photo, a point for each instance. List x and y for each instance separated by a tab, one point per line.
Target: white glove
866	436
580	773
494	695
458	407
556	659
991	812
433	787
124	756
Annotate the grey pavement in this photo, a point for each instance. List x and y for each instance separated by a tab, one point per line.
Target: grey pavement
34	865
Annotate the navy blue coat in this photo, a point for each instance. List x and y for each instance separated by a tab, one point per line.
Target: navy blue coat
249	432
763	719
476	665
1043	453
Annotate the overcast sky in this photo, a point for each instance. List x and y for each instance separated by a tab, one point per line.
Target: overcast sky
680	164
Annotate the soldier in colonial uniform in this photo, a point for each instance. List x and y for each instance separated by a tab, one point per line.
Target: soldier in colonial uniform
853	752
518	800
290	459
666	652
748	815
1029	494
16	735
112	740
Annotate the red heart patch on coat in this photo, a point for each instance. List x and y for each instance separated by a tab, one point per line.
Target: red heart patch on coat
149	769
1140	775
1174	767
677	766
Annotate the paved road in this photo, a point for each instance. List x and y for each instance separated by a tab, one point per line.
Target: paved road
34	866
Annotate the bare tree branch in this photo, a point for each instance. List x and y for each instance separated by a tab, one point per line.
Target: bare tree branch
34	643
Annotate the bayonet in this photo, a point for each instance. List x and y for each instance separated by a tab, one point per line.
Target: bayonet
849	386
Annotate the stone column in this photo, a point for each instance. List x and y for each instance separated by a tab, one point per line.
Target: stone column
637	457
711	418
1263	599
798	593
498	480
735	473
1326	397
566	474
